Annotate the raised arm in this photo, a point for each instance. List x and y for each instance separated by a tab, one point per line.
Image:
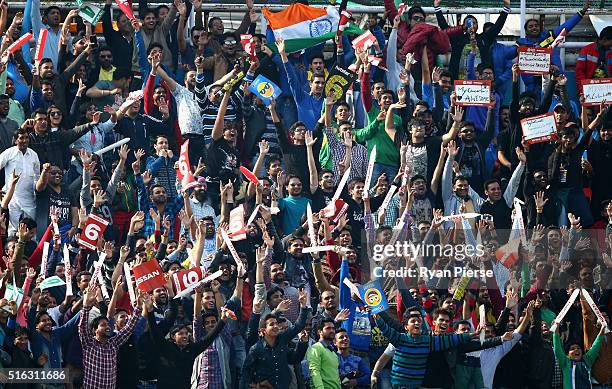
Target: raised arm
217	131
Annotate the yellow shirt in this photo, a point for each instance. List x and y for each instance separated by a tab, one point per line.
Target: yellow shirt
106	75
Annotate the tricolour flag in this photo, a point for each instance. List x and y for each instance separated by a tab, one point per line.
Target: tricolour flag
302	26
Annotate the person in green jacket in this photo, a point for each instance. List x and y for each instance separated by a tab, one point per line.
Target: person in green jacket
322	358
576	365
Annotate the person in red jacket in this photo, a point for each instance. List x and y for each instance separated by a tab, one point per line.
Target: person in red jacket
595	60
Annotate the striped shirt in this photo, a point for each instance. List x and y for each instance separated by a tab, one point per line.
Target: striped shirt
359	156
410	360
208	109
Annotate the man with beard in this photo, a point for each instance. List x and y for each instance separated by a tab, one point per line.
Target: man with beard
104	68
46	340
541	209
456	191
16	112
55	200
58	82
51	23
149	31
221	63
21	165
322	358
292	207
327	309
600	156
100	345
278	278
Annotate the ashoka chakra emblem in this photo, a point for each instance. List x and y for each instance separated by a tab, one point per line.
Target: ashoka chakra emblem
320	27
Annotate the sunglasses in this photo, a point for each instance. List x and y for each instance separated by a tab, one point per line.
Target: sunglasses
232	42
55	172
55	113
418	18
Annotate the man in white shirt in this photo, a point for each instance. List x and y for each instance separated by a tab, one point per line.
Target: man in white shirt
24	162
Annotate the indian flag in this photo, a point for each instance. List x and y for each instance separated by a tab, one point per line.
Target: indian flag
302	26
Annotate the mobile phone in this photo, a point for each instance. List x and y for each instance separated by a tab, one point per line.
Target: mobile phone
487	217
93	40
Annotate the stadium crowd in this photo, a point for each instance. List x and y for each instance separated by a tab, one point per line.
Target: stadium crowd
169	222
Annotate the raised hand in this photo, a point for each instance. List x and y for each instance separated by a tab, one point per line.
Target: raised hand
303	298
540	201
264	147
452	149
309	140
458	114
99	198
280	45
436	74
521	155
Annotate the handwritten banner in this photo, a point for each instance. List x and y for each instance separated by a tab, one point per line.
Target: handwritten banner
473	92
534	60
541	128
597	91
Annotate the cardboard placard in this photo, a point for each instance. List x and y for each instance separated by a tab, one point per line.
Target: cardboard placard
40	44
185	278
236	227
265	89
534	60
473	92
364	41
90	13
247	45
597	90
93	230
373	295
184	173
149	276
339	81
540	128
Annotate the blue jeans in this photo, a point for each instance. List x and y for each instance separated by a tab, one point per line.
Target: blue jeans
380	168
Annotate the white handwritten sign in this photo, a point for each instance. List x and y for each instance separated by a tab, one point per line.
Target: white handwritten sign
534	60
473	92
541	128
597	91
